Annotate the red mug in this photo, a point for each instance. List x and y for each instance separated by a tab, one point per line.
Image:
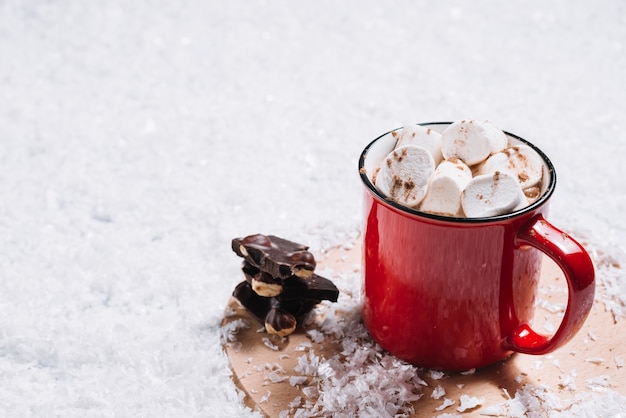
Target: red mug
458	293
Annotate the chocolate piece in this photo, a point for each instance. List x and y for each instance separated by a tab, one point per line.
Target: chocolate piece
280	286
298	307
262	283
294	287
257	305
314	287
277	256
280	322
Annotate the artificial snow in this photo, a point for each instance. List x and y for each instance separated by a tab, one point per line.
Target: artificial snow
469	402
137	138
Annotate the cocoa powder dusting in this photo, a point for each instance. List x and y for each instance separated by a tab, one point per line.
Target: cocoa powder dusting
399	156
397	183
396	136
375	175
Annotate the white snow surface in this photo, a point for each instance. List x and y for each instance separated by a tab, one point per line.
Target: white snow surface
137	138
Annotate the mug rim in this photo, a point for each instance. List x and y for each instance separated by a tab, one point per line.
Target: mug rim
452	219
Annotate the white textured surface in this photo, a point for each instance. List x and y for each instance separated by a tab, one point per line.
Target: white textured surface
138	137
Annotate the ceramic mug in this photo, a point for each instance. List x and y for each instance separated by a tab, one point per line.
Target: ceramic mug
458	293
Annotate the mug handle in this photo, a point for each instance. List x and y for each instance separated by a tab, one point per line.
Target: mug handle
577	266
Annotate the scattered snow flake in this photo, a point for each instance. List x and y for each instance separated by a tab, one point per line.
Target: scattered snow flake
590	404
446	403
274	377
303	346
468	372
265	397
568	381
506	393
438	392
595	360
436	374
549	327
469	402
619	362
295	403
307	365
228	331
297	380
494	410
229	312
311	392
315	335
599	383
269	344
550	307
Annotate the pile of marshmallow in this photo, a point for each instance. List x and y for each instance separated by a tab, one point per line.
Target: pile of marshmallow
469	170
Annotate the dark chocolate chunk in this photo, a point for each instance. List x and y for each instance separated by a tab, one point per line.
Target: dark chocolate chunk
277	256
314	287
280	322
298	307
257	305
262	283
281	286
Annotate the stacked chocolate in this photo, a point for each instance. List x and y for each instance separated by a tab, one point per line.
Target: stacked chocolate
281	285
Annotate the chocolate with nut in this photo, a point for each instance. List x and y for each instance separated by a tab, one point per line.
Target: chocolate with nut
262	282
312	288
277	256
260	306
280	322
292	288
257	305
275	298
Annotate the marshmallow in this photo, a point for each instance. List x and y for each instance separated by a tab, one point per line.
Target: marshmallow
523	202
445	187
404	174
519	160
422	137
472	141
492	195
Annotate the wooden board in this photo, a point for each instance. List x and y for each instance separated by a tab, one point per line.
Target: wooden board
595	353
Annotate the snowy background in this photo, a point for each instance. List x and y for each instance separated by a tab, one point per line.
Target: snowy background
138	137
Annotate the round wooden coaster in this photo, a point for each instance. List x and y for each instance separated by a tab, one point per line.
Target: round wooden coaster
262	365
